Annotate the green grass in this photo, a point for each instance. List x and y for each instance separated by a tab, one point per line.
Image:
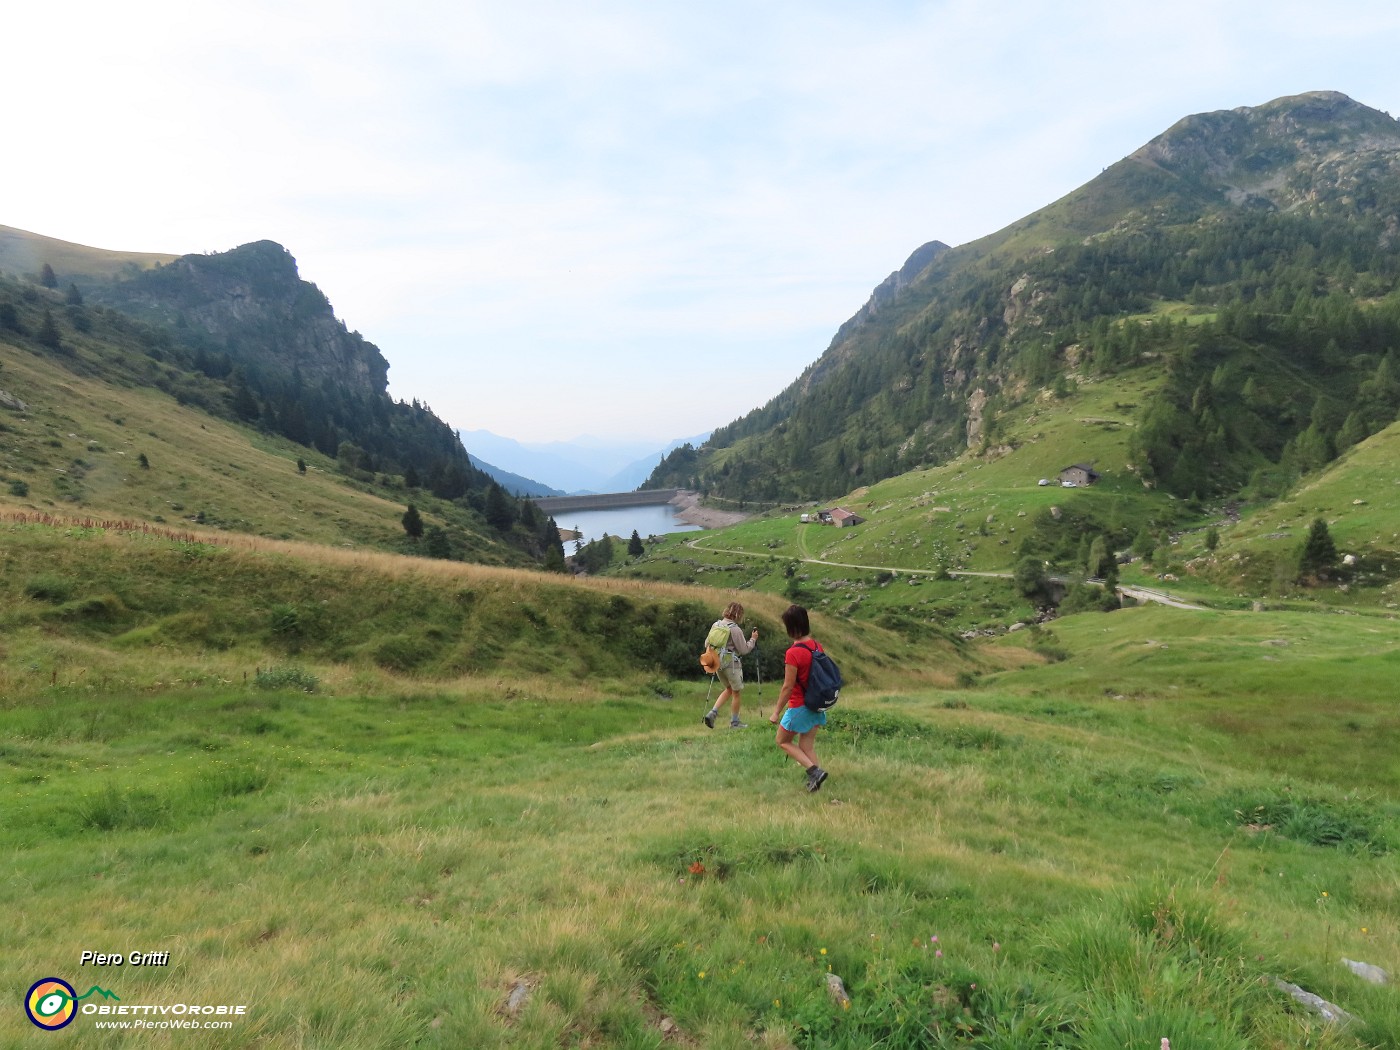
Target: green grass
976	877
24	253
372	796
1125	843
76	454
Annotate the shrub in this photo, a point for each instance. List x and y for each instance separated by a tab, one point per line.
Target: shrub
286	678
114	809
49	588
403	652
1340	825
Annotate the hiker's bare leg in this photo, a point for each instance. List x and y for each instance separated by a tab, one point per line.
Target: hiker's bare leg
736	697
719	700
794	751
807	744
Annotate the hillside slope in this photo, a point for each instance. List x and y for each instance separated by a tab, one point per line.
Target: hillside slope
215	374
1271	230
24	254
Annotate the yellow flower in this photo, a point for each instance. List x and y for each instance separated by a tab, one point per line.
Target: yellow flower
823	951
702	975
777	1002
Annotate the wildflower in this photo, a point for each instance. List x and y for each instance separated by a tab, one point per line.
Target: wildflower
702	975
698	868
996	946
823	951
938	954
777	1002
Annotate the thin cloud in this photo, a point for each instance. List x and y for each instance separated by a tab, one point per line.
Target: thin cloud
568	206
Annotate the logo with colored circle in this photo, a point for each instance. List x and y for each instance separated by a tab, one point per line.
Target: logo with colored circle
51	1003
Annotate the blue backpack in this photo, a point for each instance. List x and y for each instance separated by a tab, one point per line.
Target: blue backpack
824	682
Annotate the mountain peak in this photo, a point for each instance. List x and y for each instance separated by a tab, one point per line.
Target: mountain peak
1271	155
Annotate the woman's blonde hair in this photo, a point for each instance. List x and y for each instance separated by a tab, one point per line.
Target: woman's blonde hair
734	611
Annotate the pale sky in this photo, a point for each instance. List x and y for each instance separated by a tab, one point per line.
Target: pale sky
636	219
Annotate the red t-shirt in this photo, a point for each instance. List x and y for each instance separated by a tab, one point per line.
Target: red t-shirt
799	655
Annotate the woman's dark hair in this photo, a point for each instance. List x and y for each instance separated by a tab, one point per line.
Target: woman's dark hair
796	622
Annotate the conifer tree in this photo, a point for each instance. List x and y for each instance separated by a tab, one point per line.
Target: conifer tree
634	545
48	332
1319	553
412	522
437	544
499	512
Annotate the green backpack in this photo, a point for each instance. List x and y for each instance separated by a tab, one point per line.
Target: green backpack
718	638
716	643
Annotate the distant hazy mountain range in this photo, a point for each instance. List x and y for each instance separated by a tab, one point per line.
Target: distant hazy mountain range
586	464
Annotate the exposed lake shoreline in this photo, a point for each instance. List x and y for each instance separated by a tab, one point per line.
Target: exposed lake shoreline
692	513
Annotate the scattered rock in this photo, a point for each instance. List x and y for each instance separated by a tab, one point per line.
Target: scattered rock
515	1002
1367	972
1330	1012
836	988
10	401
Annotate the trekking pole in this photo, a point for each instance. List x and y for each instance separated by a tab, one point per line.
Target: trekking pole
758	669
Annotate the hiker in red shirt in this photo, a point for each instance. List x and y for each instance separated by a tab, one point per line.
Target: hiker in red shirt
797	730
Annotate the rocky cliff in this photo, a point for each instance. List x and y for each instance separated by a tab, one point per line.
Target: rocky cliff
252	304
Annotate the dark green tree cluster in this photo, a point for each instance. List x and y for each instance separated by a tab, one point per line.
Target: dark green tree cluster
595	555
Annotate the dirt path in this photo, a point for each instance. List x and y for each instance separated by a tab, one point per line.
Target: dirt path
1142	594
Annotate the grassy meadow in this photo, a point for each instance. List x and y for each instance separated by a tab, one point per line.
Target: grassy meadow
387	802
98	440
22	252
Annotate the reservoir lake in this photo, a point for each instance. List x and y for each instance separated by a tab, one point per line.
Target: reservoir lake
652	519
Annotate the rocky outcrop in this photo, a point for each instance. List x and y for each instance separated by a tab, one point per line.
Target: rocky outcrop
1293	151
887	290
252	304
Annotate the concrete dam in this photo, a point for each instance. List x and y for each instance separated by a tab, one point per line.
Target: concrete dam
555	505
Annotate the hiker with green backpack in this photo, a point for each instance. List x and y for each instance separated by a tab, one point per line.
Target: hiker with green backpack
725	644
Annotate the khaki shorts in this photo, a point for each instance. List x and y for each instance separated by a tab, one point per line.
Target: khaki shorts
731	674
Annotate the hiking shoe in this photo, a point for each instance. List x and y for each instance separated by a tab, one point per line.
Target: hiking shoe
815	776
738	725
709	720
